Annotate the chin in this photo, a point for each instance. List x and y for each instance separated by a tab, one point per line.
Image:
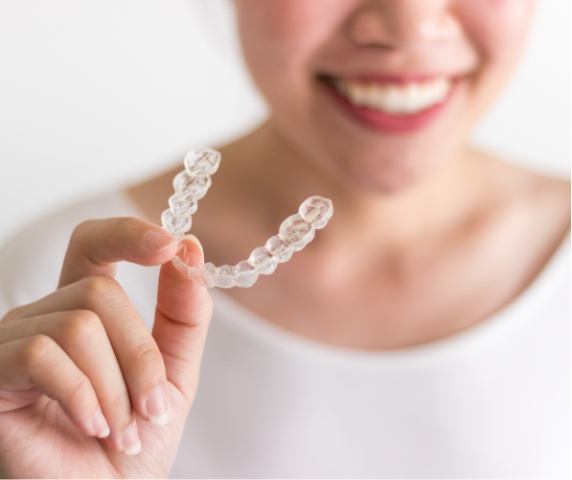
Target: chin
389	184
386	178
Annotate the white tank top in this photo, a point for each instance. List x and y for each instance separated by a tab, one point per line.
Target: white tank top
490	401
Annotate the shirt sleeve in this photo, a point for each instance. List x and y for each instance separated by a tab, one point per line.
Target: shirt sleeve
6	303
30	262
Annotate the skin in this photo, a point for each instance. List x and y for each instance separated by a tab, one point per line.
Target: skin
419	216
84	347
421	245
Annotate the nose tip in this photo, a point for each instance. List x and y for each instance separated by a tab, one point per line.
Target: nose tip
402	23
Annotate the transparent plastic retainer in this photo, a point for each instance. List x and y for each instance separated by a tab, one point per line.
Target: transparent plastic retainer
294	234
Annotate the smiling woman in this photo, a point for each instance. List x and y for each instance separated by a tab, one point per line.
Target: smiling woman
468	49
424	333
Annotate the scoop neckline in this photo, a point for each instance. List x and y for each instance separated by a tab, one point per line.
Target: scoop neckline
485	330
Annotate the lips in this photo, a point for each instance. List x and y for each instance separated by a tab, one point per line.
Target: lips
390	104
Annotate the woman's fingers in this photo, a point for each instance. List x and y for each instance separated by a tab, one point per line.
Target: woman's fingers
183	308
141	368
145	361
31	362
82	335
95	246
183	313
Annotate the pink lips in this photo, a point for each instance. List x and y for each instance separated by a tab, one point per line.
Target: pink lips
384	122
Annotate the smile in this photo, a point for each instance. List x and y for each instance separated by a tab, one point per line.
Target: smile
391	106
394	98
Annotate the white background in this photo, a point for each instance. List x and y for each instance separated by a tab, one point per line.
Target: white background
98	93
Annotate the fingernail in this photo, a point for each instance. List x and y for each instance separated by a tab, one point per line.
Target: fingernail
156	240
195	240
99	426
130	439
187	250
156	406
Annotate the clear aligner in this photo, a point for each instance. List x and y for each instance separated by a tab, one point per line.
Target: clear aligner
294	234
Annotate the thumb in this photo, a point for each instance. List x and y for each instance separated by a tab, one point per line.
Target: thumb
182	316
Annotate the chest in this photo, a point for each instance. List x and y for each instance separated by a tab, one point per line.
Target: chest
388	308
320	415
437	286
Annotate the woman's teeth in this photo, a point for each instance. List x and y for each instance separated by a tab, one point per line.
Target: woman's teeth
393	98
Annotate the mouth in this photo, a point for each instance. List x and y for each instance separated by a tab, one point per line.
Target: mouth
390	104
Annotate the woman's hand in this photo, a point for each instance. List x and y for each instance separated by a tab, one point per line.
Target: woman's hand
84	347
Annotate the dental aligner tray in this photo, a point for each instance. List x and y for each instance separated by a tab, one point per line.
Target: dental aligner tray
294	234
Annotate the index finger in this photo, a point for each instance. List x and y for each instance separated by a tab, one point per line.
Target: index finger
96	245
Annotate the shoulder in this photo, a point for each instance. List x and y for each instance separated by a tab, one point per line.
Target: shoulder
527	216
513	187
31	258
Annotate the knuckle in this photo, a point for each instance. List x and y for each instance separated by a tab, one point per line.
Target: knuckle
79	230
119	402
128	224
204	310
80	326
146	353
35	348
80	388
97	286
12	314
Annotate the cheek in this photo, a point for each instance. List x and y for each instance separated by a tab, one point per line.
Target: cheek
272	29
284	32
497	28
279	41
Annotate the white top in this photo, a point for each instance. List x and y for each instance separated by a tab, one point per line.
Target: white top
490	401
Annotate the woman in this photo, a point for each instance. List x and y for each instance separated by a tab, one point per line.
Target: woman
422	333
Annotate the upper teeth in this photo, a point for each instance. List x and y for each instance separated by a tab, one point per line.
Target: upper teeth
409	98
